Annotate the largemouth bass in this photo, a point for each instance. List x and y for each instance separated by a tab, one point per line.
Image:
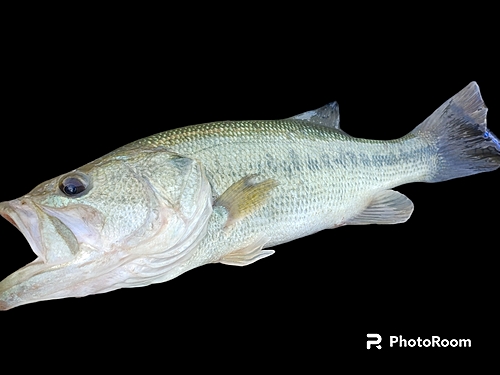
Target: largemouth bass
226	192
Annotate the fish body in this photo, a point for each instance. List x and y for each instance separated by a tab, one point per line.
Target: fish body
323	176
226	192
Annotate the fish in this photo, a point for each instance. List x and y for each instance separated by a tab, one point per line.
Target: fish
226	192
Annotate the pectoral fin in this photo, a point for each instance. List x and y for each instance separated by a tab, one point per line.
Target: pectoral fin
247	255
386	207
244	197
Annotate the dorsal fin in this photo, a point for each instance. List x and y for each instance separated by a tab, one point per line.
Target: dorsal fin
328	116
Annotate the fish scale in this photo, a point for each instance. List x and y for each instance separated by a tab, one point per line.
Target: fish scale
324	175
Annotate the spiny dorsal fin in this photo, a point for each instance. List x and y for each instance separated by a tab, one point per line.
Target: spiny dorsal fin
386	207
247	255
245	196
328	116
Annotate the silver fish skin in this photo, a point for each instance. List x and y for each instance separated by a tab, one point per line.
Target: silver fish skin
225	192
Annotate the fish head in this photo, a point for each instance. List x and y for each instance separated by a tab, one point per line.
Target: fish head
128	219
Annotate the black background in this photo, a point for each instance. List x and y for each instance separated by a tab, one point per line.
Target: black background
71	96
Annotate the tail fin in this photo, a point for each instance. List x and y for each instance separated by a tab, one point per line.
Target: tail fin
464	144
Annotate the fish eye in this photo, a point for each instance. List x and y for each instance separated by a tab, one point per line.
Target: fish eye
73	185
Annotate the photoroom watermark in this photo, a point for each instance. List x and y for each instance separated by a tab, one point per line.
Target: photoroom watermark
375	339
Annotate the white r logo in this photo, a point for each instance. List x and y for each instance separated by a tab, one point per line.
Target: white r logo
373	342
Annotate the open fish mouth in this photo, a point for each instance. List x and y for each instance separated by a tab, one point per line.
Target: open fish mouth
25	220
40	230
49	238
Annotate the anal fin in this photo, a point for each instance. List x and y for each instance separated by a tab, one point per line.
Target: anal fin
386	207
248	254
